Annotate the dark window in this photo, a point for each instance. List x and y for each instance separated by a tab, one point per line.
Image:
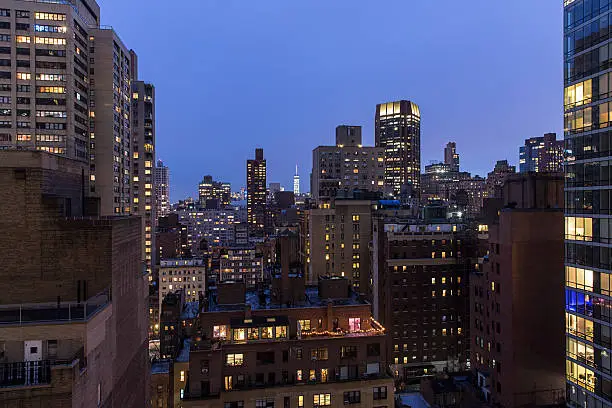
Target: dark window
348	352
259	378
265	357
380	393
23	51
5	75
50	53
23	101
50	65
5	25
285	356
22	27
499	387
234	404
5	62
352	397
23	63
298	354
373	349
5	50
286	403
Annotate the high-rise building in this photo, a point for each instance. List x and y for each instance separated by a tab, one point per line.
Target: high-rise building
587	201
347	166
214	194
496	178
110	126
398	131
162	189
542	154
451	157
44	98
143	159
296	182
256	194
420	271
517	349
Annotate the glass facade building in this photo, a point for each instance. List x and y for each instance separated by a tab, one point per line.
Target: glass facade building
588	213
398	131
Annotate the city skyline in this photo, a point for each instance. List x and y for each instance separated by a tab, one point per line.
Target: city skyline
322	95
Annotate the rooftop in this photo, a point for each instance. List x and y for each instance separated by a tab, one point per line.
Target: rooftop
160	367
263	302
190	310
183	356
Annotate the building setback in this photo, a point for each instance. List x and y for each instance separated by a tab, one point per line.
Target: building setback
346	167
398	132
517	338
256	194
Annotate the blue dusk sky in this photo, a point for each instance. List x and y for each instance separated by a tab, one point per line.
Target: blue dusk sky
233	75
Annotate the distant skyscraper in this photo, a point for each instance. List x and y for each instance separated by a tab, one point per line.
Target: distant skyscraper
398	131
451	158
296	182
347	166
256	193
162	189
210	189
542	154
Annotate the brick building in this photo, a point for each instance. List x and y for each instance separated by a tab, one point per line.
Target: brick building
517	297
59	325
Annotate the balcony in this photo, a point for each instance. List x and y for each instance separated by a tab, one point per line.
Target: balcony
62	312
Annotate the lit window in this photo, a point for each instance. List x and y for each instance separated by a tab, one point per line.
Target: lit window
354	324
182	376
220	332
234	360
300	399
321	400
23	39
298	375
229	383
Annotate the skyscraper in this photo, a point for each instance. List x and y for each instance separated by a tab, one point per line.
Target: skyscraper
214	193
143	159
256	194
296	182
451	158
587	203
162	189
542	154
398	131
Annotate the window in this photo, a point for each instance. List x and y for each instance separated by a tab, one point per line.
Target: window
220	332
348	352
312	375
50	16
281	332
321	400
352	397
229	382
51	89
50	41
300	403
578	94
354	324
234	404
579	228
234	360
581	278
51	77
299	375
182	376
320	353
373	349
23	39
24	76
264	403
380	393
304	324
50	29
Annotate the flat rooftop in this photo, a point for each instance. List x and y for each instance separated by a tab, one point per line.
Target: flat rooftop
252	299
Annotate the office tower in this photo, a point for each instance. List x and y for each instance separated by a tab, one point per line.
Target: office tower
587	139
398	131
214	194
542	154
162	189
516	348
338	241
256	194
451	157
321	350
143	159
346	167
496	178
110	121
73	328
420	282
296	182
44	98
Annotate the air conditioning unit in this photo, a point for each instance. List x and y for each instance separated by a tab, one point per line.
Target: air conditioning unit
205	371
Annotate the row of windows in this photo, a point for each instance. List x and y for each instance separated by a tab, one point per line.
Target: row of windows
581	11
588	35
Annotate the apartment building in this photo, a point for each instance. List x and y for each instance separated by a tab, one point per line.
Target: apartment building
420	291
325	350
517	344
64	340
347	166
143	159
187	274
241	263
44	72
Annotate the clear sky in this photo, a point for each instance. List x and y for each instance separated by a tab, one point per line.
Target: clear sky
233	75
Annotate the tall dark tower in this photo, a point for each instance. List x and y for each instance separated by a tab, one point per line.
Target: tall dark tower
398	131
256	194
